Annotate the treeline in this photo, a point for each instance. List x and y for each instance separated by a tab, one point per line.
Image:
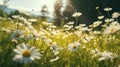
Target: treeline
9	15
87	7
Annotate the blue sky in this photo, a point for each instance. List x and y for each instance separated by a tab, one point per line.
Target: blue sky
28	5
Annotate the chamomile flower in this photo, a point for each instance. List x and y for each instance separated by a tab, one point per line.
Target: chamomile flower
53	46
73	46
17	34
49	42
109	20
96	23
107	55
107	9
16	16
100	17
25	53
77	14
97	7
115	15
112	28
70	23
32	20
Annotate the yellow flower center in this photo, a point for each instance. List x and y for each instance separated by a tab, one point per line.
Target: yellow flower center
112	30
74	46
17	35
51	43
26	53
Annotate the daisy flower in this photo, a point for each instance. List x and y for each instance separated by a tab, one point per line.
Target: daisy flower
115	15
50	43
70	23
97	7
53	46
77	14
96	23
100	17
32	20
25	53
17	34
107	55
109	20
107	9
73	46
112	28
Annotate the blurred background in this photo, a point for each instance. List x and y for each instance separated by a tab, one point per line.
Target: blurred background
58	11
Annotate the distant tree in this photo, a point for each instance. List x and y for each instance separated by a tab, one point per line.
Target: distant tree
3	14
68	11
44	12
57	12
16	12
4	5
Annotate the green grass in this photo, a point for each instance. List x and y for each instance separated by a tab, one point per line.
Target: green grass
80	58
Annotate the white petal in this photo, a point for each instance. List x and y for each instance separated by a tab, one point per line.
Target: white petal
17	57
19	48
17	51
32	58
32	49
35	56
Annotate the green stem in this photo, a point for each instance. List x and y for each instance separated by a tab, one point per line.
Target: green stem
76	21
26	65
109	14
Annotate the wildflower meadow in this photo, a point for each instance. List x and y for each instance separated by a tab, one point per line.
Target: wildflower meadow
33	42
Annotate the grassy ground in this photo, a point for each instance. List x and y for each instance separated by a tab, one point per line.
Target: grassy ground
91	48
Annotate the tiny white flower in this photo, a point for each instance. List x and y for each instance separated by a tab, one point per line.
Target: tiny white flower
109	20
17	34
70	23
97	7
25	53
19	24
53	46
95	52
32	20
112	28
78	33
73	46
87	38
5	29
52	26
115	15
106	56
96	32
77	14
100	17
107	9
30	36
16	16
14	40
96	23
49	42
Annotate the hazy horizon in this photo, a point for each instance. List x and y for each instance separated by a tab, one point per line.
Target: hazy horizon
29	5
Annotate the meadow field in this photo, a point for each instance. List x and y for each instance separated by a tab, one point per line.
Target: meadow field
36	43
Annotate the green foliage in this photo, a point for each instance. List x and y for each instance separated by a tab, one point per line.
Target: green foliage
3	14
87	7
